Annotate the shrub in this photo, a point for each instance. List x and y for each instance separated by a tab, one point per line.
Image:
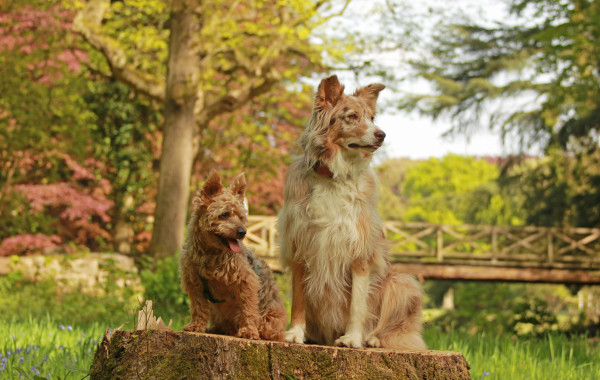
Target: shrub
163	286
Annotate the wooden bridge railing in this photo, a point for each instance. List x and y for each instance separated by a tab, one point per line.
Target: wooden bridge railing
472	245
539	247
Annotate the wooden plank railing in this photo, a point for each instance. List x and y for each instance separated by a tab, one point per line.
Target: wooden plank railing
477	245
494	245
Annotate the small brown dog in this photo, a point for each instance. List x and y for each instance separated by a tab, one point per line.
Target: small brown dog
227	284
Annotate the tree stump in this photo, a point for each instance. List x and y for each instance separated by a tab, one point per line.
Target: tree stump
167	354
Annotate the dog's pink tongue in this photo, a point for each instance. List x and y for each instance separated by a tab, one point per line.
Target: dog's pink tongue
235	246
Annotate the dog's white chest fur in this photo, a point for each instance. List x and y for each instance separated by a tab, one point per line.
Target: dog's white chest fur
338	219
334	210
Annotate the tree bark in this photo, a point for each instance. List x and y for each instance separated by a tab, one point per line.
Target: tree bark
166	354
178	132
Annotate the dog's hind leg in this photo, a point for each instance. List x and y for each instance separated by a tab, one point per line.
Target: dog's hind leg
399	323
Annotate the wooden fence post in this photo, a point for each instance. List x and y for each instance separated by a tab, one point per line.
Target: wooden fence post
439	245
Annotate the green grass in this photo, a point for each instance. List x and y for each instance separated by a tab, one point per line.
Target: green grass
553	356
43	348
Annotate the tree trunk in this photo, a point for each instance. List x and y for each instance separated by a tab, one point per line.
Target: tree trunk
177	151
165	354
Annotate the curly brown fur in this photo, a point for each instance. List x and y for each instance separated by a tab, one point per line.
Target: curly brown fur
227	284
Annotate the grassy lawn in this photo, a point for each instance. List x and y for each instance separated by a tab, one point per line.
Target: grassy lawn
45	348
505	357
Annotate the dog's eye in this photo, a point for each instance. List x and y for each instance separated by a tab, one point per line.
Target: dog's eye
353	116
224	215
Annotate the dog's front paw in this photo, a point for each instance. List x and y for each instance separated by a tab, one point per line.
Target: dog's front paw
352	340
373	341
248	332
195	327
295	335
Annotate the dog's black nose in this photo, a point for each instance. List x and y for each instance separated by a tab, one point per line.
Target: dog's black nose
240	233
380	135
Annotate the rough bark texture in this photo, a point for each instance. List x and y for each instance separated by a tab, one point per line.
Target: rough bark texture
165	354
178	132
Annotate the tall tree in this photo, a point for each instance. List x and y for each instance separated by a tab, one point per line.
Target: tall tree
221	55
538	76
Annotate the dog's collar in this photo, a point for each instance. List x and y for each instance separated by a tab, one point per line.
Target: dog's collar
322	170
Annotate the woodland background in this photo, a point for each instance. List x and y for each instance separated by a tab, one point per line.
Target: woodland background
113	112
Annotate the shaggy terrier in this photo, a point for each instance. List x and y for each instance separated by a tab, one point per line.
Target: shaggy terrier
227	284
344	290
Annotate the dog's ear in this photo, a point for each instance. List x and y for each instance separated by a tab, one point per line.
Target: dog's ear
212	186
329	92
370	93
238	186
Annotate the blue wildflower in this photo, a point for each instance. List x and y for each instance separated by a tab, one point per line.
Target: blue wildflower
48	375
69	328
35	370
45	359
21	359
19	350
61	347
62	327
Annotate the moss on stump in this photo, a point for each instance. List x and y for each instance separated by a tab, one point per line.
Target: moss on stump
166	354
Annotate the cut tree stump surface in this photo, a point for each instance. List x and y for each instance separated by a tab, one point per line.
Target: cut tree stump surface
167	354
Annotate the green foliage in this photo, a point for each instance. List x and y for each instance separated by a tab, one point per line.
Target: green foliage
453	190
534	78
506	308
14	204
161	280
560	190
21	298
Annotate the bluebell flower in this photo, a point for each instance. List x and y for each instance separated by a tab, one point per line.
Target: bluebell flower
69	328
50	334
61	347
45	359
21	359
35	370
62	327
19	350
48	375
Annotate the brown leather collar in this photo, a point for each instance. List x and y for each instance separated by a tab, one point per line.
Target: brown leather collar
322	170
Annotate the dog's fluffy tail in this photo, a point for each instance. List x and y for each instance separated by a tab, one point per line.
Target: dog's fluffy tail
399	323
